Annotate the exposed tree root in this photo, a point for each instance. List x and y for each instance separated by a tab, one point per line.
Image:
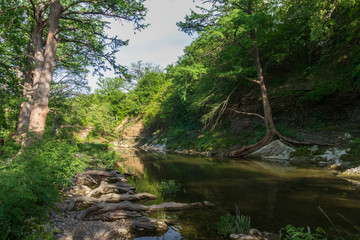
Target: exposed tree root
103	207
111	197
114	216
113	175
304	143
246	150
269	136
85	179
106	187
149	224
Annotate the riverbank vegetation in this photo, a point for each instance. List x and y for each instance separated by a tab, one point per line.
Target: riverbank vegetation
257	70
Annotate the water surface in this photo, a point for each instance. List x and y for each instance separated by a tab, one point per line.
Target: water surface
272	193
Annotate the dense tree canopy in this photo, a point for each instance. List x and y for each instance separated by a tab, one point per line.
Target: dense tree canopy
60	36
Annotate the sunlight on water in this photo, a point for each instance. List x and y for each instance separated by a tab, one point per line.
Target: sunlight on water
273	193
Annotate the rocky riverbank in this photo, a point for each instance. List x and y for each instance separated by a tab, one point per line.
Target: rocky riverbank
103	205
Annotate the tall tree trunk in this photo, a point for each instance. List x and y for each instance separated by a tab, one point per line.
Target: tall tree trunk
36	55
42	86
271	131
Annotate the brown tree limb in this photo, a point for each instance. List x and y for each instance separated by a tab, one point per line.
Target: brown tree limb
247	113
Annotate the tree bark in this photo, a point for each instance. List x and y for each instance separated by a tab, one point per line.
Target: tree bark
25	108
42	86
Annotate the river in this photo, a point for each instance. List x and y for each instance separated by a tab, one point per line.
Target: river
272	193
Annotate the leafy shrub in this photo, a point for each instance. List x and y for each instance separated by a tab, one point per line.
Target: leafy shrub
293	233
31	183
230	224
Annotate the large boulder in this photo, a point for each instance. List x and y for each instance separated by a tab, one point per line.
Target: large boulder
274	150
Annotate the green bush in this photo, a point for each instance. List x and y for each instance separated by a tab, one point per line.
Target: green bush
293	233
31	183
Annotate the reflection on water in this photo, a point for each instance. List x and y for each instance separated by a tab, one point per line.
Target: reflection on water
273	193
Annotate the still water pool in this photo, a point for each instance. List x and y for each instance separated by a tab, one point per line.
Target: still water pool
272	193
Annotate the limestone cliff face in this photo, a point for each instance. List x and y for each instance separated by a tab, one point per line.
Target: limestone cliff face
132	131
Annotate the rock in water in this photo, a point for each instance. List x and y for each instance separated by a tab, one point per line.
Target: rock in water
274	150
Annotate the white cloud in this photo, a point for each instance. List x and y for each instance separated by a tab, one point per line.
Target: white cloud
161	43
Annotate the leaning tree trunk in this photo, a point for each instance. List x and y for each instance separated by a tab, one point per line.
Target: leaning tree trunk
40	107
271	131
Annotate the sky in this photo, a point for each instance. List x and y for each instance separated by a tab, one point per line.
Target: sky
161	43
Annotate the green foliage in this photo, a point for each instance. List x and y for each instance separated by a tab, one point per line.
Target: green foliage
289	232
9	147
31	183
354	154
230	224
168	188
100	154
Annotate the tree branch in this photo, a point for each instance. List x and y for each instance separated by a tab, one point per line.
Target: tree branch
81	1
250	114
97	13
239	43
34	9
254	80
14	8
91	47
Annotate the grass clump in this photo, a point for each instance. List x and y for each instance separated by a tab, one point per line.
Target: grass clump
230	224
168	188
339	233
31	183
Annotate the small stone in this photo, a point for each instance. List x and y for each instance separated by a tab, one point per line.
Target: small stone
101	232
122	231
335	167
248	237
255	232
236	236
208	204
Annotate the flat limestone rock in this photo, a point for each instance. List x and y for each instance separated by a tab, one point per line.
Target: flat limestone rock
274	150
96	230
